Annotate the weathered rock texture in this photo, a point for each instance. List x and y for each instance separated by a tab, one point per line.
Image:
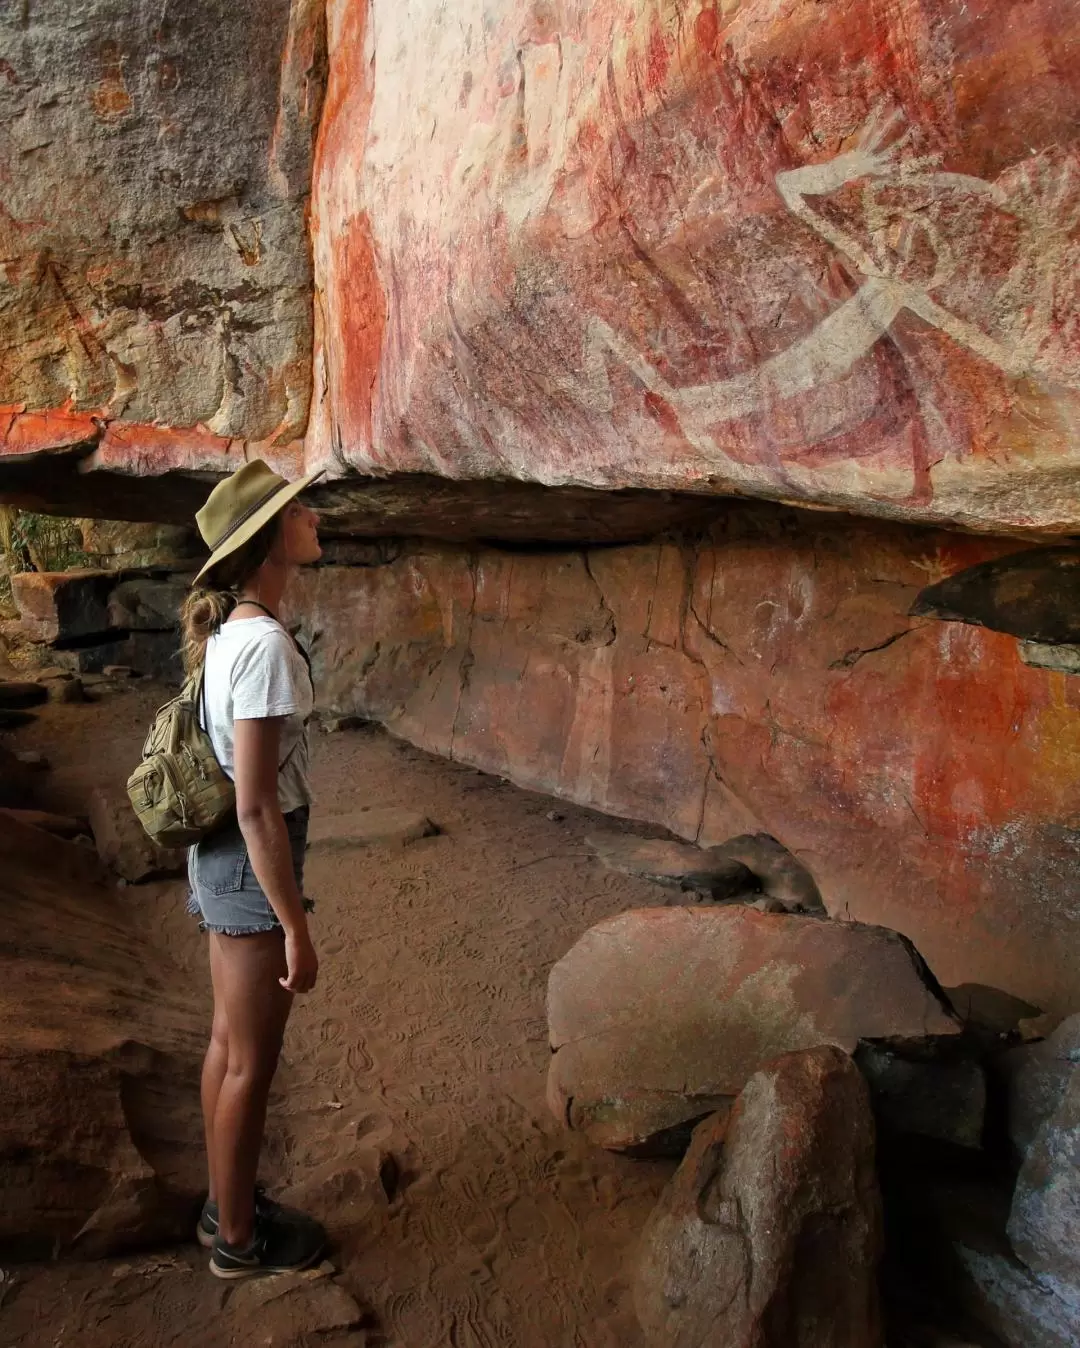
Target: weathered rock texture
659	1015
99	1134
823	256
1036	1078
156	167
767	677
769	1235
1044	1225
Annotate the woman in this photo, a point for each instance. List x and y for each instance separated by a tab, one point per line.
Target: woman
247	878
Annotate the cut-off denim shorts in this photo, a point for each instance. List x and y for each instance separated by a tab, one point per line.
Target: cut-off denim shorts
223	890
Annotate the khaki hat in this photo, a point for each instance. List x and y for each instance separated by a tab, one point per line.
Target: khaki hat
238	508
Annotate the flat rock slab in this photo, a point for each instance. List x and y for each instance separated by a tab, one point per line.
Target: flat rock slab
659	1015
370	828
675	864
61	825
769	1236
15	695
750	863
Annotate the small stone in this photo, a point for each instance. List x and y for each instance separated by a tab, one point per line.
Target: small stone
555	816
333	725
290	1308
118	671
370	828
33	758
67	691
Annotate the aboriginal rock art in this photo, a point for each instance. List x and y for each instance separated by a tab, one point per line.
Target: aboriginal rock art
921	226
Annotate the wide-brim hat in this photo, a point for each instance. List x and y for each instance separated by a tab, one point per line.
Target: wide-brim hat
238	508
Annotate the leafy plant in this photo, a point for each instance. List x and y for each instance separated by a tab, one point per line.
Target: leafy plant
30	542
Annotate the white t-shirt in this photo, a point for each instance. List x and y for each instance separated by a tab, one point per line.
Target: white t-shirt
253	670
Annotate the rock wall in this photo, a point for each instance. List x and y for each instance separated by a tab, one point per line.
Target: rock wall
821	253
766	677
154	174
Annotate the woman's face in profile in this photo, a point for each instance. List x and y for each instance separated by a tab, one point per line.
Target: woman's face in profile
300	534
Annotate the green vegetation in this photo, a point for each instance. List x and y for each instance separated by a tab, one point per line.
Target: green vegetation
30	542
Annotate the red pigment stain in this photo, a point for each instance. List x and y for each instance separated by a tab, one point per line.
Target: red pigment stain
707	29
361	306
657	61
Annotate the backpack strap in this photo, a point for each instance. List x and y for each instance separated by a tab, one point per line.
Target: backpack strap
307	658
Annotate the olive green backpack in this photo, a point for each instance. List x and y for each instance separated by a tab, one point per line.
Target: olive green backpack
179	790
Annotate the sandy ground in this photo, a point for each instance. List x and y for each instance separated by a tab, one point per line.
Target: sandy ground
426	1038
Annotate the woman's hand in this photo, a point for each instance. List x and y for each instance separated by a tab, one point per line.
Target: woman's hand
302	962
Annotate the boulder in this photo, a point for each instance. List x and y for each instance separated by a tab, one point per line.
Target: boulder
1044	1223
1024	1310
1036	1077
100	1134
659	1015
769	1235
63	606
122	843
147	603
944	1100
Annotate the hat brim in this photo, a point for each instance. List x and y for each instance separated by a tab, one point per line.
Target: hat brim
262	516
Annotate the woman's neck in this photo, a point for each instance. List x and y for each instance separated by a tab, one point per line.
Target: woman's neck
266	588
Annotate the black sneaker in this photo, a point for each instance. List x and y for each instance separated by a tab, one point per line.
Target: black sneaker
207	1226
279	1246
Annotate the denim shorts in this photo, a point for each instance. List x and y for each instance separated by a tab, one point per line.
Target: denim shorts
223	890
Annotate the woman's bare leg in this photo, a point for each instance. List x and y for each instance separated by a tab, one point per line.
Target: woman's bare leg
256	1008
214	1066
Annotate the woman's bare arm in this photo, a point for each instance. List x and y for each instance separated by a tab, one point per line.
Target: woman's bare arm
257	744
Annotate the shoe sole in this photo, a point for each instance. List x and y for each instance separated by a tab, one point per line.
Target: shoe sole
205	1239
263	1270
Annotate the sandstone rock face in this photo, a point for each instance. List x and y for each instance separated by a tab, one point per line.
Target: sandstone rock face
769	1235
821	256
156	263
100	1144
657	1016
767	679
95	619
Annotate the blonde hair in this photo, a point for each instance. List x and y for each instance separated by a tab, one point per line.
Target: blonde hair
207	607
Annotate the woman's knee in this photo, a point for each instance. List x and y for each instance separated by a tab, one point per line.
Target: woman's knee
252	1065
